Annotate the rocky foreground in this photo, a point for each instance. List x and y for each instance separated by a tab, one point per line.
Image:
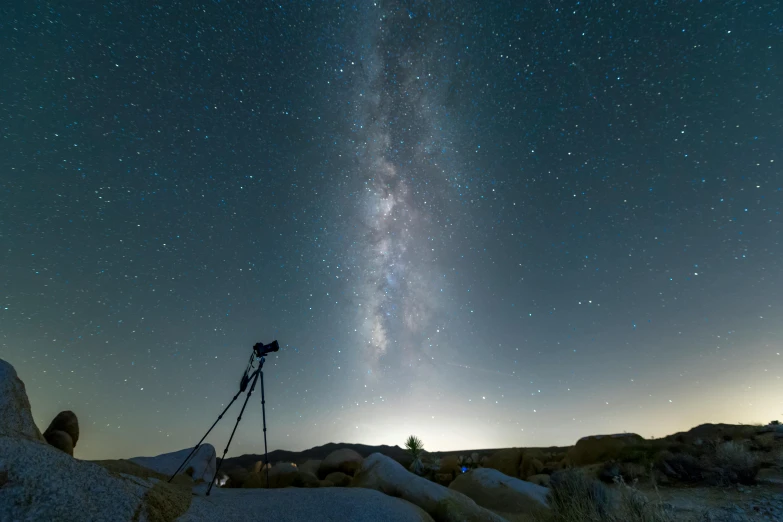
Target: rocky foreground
712	473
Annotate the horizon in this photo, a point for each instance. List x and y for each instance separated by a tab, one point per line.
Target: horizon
488	225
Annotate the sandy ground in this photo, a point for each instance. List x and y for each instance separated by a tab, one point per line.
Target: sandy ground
730	504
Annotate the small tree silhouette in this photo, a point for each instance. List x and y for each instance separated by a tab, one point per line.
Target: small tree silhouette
414	446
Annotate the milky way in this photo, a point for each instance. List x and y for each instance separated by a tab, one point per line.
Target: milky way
398	105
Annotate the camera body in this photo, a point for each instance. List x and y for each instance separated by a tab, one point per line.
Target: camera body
261	349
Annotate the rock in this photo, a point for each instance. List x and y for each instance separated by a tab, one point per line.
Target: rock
599	448
65	421
259	466
43	483
450	465
281	475
294	505
201	465
311	466
506	461
254	480
444	479
770	476
60	440
16	419
541	480
530	465
339	479
443	504
492	489
552	466
237	477
345	460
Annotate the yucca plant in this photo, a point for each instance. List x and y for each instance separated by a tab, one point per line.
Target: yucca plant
415	448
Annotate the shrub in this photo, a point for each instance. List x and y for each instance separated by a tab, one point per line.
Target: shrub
680	467
575	496
635	507
736	463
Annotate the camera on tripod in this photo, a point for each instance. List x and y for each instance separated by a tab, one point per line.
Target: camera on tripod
261	349
250	376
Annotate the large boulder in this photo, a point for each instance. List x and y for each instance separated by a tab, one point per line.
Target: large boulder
541	480
599	448
344	460
443	504
493	490
530	465
506	461
450	465
43	483
16	419
281	475
287	505
339	479
311	466
201	465
63	432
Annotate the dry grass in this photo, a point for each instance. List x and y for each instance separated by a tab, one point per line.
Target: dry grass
574	497
736	463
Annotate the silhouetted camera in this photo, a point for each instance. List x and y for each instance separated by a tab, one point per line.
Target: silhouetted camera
262	349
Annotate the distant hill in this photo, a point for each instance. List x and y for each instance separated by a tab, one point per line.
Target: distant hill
320	452
704	431
316	453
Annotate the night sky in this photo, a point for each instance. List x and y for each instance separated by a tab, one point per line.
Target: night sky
481	223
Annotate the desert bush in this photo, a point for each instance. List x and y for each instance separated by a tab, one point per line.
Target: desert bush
680	467
574	497
633	506
736	463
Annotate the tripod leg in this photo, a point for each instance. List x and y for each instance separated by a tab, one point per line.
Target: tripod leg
217	468
263	415
205	435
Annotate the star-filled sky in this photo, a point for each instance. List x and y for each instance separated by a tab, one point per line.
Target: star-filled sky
488	224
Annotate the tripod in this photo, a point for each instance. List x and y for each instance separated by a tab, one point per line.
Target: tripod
259	351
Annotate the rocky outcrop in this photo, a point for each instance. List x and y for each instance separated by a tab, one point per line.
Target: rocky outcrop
201	465
63	432
442	504
493	490
40	482
598	448
16	419
344	460
506	461
43	483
